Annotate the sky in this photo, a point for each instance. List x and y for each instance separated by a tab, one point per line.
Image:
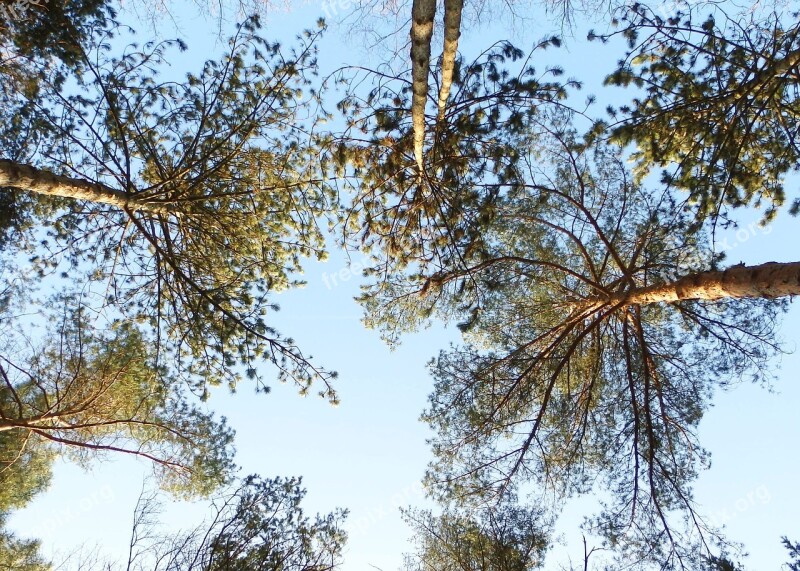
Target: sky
369	454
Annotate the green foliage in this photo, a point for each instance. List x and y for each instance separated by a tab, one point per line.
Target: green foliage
183	285
85	393
17	554
718	107
259	525
42	45
223	151
416	224
52	30
267	530
535	238
721	563
563	382
527	234
566	384
25	462
501	538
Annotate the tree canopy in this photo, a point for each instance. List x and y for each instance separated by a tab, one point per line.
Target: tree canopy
19	555
504	538
253	524
719	104
83	392
163	212
598	321
189	202
257	524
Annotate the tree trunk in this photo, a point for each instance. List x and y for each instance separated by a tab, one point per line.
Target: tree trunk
422	14
769	280
452	31
30	179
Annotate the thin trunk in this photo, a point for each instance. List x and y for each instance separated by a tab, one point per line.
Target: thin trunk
422	15
452	31
770	280
30	179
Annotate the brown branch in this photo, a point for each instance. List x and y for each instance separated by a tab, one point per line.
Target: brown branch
30	179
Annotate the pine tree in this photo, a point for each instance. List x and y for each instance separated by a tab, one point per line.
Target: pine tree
257	524
500	538
190	203
83	393
719	107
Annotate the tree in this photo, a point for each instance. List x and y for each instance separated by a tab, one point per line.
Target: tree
422	16
794	553
420	225
422	26
507	538
573	375
19	555
24	469
30	31
452	31
259	524
187	203
423	13
598	328
721	564
599	322
85	393
719	107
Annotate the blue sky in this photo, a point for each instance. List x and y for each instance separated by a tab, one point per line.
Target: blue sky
369	453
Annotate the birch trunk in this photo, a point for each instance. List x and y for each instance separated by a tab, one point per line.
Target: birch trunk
452	32
769	280
30	179
422	15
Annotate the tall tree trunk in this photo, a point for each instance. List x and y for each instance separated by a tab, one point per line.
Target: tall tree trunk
770	280
422	15
30	179
452	31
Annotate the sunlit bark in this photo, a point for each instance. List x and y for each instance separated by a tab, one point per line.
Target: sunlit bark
423	12
769	280
452	31
31	179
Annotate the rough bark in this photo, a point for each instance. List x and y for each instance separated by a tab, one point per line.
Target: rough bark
422	15
30	179
452	32
769	280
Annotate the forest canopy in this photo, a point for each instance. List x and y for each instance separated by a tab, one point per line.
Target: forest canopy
154	204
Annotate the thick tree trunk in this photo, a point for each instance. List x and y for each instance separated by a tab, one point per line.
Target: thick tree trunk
452	32
30	179
422	15
769	280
